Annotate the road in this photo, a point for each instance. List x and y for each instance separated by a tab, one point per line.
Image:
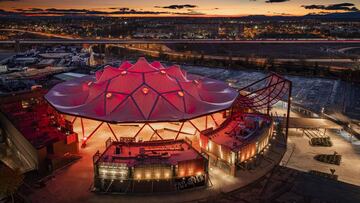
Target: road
240	58
68	39
343	50
40	33
175	41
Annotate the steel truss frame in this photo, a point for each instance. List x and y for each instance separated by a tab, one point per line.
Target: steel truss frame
261	94
264	93
86	137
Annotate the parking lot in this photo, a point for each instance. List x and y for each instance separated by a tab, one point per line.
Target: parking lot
336	97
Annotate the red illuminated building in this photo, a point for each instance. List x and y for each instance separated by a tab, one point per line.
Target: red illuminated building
167	126
146	94
40	137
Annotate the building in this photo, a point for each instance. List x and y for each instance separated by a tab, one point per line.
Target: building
239	139
68	76
25	60
148	167
41	139
56	55
46	62
3	68
168	126
160	103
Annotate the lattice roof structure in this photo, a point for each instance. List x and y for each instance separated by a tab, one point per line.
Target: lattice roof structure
263	93
141	92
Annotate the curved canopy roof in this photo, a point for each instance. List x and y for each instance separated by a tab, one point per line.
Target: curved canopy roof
141	92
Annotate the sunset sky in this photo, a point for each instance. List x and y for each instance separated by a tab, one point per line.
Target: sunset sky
180	7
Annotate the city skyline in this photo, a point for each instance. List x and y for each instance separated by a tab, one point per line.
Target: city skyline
202	8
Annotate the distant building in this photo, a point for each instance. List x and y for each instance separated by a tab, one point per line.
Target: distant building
69	76
54	55
230	31
25	60
3	68
46	62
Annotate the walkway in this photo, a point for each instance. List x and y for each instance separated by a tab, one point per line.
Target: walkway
76	180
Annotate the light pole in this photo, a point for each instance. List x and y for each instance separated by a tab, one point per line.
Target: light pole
288	110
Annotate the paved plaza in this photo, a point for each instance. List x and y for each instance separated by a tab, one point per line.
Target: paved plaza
289	185
78	178
336	97
74	183
299	150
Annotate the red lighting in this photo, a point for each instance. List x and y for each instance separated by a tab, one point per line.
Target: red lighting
123	72
145	90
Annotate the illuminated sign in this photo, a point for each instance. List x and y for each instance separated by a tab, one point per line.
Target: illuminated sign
190	182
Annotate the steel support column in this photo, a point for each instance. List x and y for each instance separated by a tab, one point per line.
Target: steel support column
73	121
288	111
206	122
154	131
212	117
194	126
82	128
178	133
139	131
91	134
112	131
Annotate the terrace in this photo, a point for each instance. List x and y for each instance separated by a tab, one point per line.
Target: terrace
169	152
239	130
37	121
152	166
